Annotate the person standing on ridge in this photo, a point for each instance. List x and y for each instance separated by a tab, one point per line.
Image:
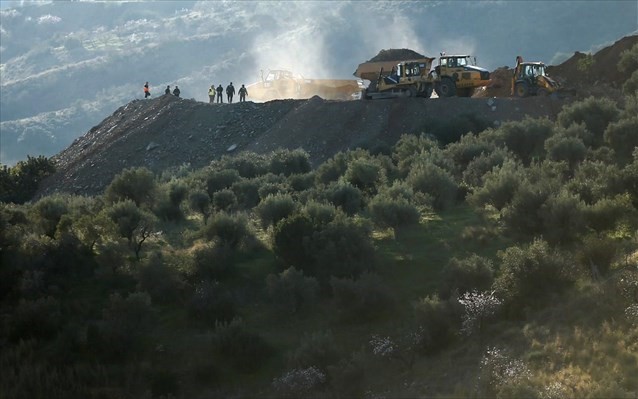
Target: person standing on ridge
211	94
242	94
230	91
176	91
220	92
147	91
168	90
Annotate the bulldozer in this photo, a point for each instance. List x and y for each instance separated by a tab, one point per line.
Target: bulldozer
453	76
530	79
279	84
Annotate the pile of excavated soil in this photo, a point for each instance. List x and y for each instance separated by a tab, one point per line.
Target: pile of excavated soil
500	84
403	54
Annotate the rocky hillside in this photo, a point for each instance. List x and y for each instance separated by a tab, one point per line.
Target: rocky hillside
169	132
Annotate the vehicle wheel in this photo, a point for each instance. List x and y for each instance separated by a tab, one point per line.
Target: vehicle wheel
447	88
411	92
521	89
426	92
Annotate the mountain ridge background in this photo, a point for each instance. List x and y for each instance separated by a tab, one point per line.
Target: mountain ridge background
65	66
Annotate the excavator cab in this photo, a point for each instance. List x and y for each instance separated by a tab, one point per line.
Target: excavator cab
458	76
531	79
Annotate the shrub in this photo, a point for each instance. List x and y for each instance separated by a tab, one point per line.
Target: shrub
219	180
317	349
332	169
392	211
247	193
595	113
298	383
629	59
169	207
597	254
160	281
301	182
291	289
274	208
622	137
199	201
473	273
430	179
319	213
605	214
366	298
213	262
524	138
19	183
594	181
247	164
231	230
211	303
224	200
563	218
477	168
630	87
132	223
135	184
345	196
242	349
531	275
439	321
468	148
364	174
289	162
40	318
569	149
48	212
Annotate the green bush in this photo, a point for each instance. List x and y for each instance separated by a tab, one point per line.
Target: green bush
597	253
199	201
392	211
563	218
366	298
629	60
291	290
595	180
432	180
231	230
210	303
20	182
224	200
289	162
473	273
40	318
522	215
531	275
247	164
318	349
364	174
160	281
133	223
439	322
169	206
332	169
630	87
606	214
524	138
213	262
468	148
563	148
622	138
473	175
345	196
301	182
220	179
48	212
247	193
135	184
595	113
242	349
274	208
319	213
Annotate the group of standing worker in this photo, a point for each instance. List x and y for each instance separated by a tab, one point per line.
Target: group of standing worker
230	92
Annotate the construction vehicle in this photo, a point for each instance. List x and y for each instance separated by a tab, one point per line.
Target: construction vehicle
530	79
280	84
453	76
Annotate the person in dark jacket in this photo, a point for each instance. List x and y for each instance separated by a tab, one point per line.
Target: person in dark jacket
242	94
220	92
176	91
230	92
168	90
147	91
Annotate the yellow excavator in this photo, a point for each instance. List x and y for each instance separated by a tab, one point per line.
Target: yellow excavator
453	76
530	79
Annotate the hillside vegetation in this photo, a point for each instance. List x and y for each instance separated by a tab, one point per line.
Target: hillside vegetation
503	264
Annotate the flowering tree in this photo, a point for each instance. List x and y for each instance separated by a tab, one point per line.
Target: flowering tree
479	307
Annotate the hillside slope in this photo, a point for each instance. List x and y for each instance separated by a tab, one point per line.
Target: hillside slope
169	132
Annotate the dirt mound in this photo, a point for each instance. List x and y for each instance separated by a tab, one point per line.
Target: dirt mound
500	84
168	132
403	54
595	74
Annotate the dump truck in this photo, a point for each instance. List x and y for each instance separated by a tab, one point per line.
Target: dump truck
279	84
453	76
530	79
